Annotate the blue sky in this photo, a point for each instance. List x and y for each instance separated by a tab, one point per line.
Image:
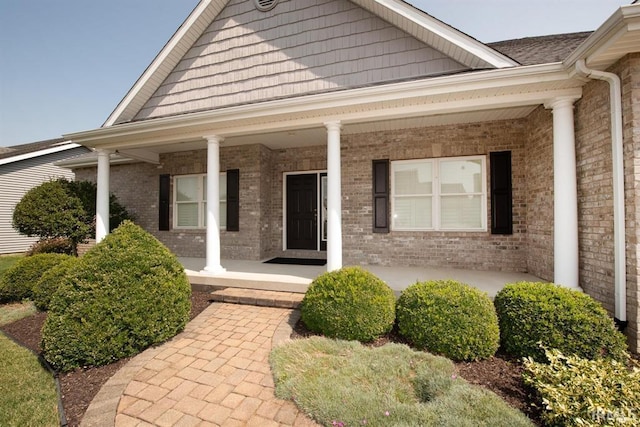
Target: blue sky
65	64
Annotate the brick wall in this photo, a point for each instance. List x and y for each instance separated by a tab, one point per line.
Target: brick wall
629	71
539	193
136	186
476	250
595	190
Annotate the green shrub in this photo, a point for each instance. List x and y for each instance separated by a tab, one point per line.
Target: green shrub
350	304
49	211
54	245
17	283
128	292
50	281
449	318
581	392
534	314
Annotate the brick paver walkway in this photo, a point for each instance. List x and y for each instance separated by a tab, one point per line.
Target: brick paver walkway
215	373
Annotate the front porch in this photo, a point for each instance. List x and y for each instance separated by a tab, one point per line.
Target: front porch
296	278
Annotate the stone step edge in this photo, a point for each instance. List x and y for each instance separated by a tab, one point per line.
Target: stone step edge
257	297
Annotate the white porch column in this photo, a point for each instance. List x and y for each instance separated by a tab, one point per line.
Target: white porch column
213	206
334	197
565	199
102	195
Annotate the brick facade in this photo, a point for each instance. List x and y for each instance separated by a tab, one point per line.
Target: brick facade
528	249
539	198
629	71
595	189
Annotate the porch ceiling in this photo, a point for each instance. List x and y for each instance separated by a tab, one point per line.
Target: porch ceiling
318	135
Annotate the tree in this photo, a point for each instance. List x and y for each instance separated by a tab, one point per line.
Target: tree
64	208
48	211
86	191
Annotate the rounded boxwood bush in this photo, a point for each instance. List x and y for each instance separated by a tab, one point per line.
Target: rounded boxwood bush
50	281
18	282
125	294
350	304
449	318
534	314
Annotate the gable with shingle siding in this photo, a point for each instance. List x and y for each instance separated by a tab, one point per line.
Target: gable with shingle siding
300	47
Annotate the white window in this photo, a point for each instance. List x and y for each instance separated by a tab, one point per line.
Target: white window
439	194
190	201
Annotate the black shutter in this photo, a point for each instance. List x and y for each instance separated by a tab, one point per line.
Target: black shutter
380	186
164	202
233	200
501	199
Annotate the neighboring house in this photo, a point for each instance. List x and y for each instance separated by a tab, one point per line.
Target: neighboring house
372	133
23	167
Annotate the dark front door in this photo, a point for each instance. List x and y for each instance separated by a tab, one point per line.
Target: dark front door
302	211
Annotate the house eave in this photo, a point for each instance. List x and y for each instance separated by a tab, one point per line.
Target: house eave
331	105
67	145
617	36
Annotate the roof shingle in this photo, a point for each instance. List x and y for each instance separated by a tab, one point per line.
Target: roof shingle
540	50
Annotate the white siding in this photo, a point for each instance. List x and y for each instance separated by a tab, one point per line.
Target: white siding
299	47
15	180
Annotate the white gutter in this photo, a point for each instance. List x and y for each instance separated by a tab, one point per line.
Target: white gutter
620	273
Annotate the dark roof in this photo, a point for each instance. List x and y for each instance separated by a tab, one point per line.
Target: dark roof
18	150
540	50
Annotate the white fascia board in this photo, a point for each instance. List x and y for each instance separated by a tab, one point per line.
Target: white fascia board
449	34
175	42
466	82
62	146
624	19
91	161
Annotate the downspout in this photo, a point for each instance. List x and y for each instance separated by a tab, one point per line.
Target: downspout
620	273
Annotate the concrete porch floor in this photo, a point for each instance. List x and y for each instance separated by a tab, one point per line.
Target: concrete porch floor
296	278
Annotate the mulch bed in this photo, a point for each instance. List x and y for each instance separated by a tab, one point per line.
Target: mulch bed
79	387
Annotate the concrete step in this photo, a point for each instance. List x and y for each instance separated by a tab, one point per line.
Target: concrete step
257	297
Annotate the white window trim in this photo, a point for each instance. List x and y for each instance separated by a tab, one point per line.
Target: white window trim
436	196
201	202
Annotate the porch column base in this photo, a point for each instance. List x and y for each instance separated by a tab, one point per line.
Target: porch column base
213	271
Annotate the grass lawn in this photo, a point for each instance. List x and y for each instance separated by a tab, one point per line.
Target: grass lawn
15	311
346	384
27	391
